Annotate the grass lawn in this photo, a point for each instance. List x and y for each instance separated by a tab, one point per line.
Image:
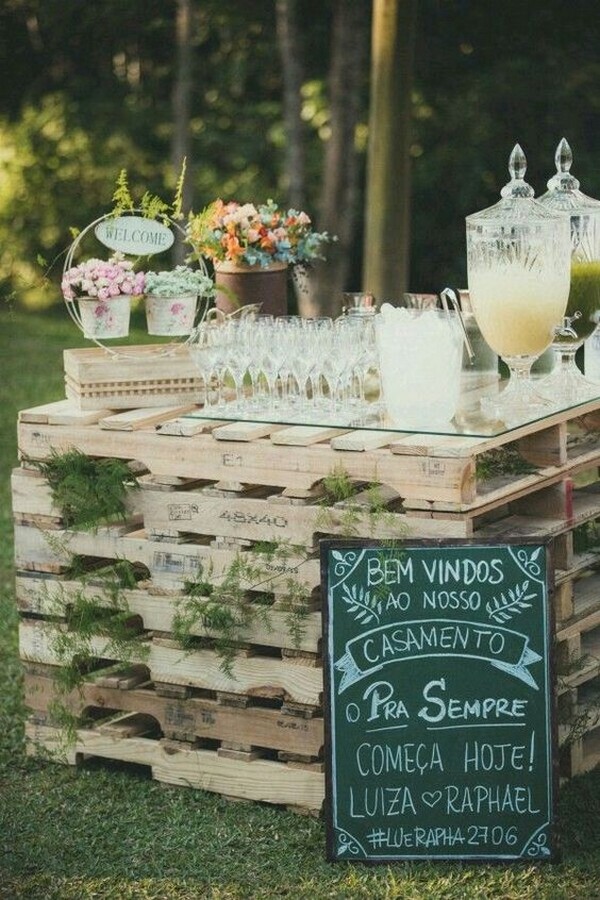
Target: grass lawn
107	831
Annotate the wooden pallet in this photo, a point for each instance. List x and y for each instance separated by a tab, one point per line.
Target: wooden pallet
279	729
214	493
295	786
433	474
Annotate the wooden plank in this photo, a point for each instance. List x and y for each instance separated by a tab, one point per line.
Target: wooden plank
50	596
31	495
260	780
245	431
170	564
38	643
261	520
187	426
305	435
252	676
363	440
133	419
61	412
547	447
92	368
436	445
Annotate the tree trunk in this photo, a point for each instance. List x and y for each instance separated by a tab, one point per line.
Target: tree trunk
387	212
288	34
181	104
338	213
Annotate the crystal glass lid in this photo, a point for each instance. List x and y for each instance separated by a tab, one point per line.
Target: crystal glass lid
517	206
563	188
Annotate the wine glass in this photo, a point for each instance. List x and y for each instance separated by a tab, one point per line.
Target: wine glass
565	383
518	261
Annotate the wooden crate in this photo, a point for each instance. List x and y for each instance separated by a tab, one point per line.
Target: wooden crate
214	493
96	380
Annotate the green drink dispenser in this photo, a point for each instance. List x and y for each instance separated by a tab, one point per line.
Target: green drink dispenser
563	195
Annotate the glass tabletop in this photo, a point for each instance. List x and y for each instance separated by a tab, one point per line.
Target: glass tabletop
469	421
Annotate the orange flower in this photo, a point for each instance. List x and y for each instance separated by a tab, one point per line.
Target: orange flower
232	246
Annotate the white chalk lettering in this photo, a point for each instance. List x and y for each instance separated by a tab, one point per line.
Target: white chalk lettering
366	803
439	708
375	759
483	757
389	571
383	703
463	571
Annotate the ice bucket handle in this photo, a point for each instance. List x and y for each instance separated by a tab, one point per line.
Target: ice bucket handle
449	294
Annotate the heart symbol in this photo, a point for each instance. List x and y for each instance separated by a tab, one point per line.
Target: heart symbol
431	797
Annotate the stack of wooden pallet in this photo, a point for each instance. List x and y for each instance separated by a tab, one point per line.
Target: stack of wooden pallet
214	493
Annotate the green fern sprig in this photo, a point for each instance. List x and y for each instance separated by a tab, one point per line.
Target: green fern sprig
177	206
122	199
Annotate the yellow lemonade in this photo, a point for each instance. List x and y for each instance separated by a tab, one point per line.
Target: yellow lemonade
584	295
517	311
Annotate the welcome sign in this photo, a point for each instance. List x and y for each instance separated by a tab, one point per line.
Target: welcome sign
134	235
438	701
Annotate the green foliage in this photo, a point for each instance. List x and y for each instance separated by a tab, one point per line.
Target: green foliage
225	607
92	624
586	537
502	461
177	207
151	205
88	491
337	486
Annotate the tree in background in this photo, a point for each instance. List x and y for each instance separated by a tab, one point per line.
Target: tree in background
181	143
293	72
388	191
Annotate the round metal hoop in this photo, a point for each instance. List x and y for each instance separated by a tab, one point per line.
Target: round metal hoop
73	308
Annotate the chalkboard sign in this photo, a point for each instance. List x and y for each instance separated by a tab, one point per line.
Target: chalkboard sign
438	701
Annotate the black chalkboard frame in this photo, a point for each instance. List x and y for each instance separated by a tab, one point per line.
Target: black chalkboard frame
329	544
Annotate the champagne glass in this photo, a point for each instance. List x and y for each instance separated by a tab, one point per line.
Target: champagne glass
204	349
566	383
518	261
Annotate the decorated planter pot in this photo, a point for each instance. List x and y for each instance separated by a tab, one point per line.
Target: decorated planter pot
170	316
102	319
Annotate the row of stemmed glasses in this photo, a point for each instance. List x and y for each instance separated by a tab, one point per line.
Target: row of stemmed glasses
287	368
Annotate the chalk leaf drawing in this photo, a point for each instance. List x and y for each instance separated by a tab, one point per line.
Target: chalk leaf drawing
509	604
359	602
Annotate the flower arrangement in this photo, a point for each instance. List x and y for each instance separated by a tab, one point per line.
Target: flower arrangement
179	281
102	279
254	235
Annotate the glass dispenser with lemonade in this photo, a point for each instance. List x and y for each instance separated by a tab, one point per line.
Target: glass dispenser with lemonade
518	263
566	383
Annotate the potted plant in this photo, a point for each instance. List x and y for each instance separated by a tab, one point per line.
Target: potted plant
260	241
103	291
172	298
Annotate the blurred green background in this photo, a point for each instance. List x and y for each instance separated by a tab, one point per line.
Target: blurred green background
89	88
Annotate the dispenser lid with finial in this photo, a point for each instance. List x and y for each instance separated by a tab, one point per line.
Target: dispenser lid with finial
563	192
517	206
